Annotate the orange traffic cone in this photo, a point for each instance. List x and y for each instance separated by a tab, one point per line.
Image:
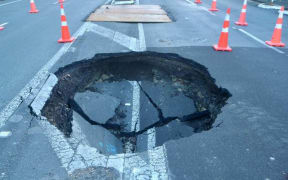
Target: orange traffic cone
213	6
64	28
1	28
197	1
242	19
33	8
223	40
60	1
276	37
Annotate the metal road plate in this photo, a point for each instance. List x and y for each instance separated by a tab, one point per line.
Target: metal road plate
130	13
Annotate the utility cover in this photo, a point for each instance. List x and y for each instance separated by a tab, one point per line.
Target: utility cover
130	13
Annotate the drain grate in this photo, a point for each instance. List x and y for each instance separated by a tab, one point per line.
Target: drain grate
120	99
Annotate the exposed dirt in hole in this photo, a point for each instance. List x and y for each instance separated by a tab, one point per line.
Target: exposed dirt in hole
188	77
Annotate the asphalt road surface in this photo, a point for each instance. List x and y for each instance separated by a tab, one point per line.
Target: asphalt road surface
249	139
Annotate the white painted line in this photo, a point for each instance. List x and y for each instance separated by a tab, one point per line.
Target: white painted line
264	6
158	164
77	135
5	134
61	147
10	3
135	120
151	138
200	7
142	44
41	75
1	25
259	40
40	100
122	39
135	123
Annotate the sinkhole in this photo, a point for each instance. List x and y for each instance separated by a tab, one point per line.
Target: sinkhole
132	102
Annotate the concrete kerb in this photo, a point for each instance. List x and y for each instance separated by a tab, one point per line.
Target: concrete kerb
265	6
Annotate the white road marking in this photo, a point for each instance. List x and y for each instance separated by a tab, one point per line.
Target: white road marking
259	40
200	7
151	138
135	123
158	164
5	134
41	98
122	39
1	25
264	6
142	44
135	120
61	147
41	75
10	3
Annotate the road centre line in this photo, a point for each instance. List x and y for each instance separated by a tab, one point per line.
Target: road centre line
259	40
151	138
10	3
135	124
200	7
151	134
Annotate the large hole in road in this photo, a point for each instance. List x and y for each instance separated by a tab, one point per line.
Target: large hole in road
129	102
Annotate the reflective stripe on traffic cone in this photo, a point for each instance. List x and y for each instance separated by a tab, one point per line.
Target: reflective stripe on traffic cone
242	19
33	8
276	37
65	34
223	40
213	6
197	1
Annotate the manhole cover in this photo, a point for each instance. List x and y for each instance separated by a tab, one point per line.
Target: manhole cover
132	102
